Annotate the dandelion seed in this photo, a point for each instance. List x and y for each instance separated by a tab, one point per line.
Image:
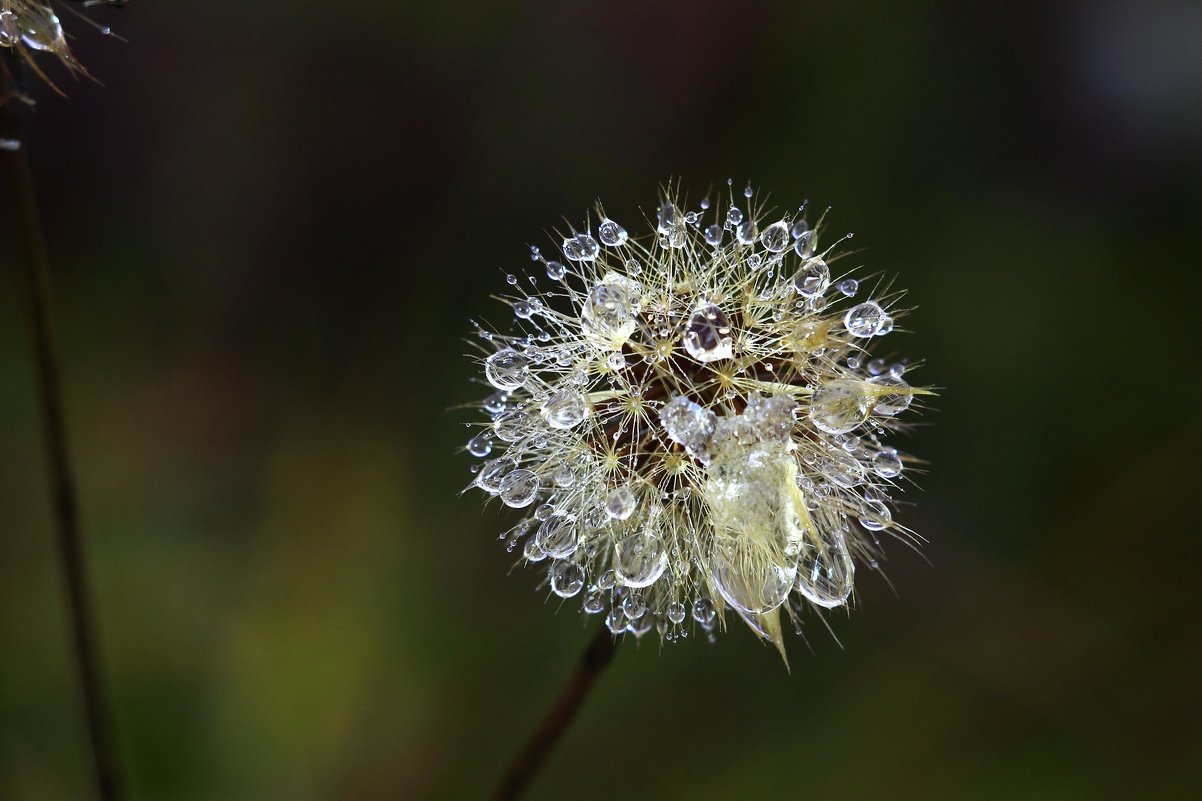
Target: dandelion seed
695	421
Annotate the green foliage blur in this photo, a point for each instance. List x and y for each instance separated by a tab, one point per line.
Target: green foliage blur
269	231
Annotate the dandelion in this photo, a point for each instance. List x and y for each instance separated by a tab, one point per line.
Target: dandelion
691	421
29	28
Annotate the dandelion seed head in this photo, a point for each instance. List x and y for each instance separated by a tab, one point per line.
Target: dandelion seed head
691	419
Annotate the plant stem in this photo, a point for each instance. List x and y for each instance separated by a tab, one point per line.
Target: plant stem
593	661
64	501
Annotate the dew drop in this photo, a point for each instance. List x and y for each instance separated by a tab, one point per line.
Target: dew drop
519	488
507	369
775	237
849	286
876	516
556	270
567	579
891	403
689	424
676	612
609	310
838	407
707	336
864	320
611	233
825	572
557	536
620	503
615	621
640	558
713	235
594	603
887	464
565	409
481	444
812	279
704	612
580	247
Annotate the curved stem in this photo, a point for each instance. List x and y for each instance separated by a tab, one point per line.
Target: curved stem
64	501
593	661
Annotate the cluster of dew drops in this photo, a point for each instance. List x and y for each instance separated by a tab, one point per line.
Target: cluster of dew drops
545	464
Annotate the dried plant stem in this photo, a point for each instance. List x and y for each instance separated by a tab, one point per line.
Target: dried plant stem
62	477
593	661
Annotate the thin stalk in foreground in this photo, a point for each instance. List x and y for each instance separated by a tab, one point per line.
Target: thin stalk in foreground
593	661
64	501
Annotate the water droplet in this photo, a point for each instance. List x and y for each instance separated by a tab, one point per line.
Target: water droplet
876	516
886	326
864	320
633	606
640	558
557	536
849	286
615	361
690	425
567	579
891	403
746	232
775	237
704	613
634	267
607	580
615	621
610	308
838	407
556	270
642	624
748	192
825	572
620	503
799	228
523	310
707	336
563	476
519	488
713	235
580	247
507	369
611	233
594	603
532	551
491	473
887	464
812	279
511	426
734	215
676	612
565	409
481	444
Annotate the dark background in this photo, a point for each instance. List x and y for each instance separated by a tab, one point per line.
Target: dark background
268	233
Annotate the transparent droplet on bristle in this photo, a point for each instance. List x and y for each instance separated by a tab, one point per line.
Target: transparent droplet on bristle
511	426
615	361
677	612
825	571
609	309
557	536
480	445
615	621
519	488
849	286
642	624
607	580
892	403
640	559
532	551
864	320
876	516
713	235
633	605
565	409
611	234
746	232
704	612
491	473
734	215
838	407
707	337
775	237
812	279
689	424
556	270
887	464
594	603
620	502
752	584
507	369
580	247
567	579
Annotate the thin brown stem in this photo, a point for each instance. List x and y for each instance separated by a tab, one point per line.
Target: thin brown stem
593	662
64	502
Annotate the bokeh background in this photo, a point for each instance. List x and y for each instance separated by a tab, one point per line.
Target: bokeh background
269	230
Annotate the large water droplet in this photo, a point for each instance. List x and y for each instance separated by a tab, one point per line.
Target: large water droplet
511	426
557	536
775	237
556	271
507	369
481	444
565	409
812	279
491	473
519	488
887	464
876	516
610	308
889	404
747	581
620	503
640	559
567	579
707	336
713	235
611	233
676	612
838	407
864	320
825	571
704	613
580	247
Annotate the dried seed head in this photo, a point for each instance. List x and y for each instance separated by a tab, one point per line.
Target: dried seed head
693	422
29	29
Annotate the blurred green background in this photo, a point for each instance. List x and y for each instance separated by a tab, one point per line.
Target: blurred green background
269	231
